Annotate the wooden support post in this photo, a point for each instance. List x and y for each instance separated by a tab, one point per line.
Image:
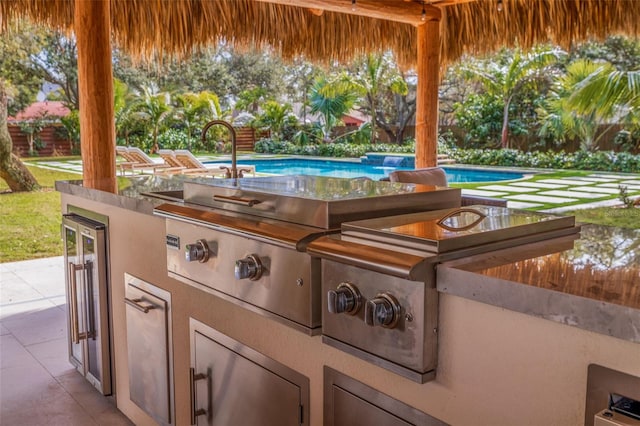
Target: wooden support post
95	91
427	94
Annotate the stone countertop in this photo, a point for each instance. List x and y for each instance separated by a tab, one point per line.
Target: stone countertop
591	283
131	191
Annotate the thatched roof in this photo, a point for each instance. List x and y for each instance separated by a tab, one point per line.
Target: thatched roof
147	27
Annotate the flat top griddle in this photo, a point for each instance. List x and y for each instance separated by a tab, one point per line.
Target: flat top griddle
452	229
318	201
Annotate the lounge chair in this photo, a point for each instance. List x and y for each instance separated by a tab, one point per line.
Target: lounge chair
187	159
188	167
123	152
136	159
436	176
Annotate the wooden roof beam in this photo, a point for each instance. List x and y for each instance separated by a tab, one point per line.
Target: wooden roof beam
409	12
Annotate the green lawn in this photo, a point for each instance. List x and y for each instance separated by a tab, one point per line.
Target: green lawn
623	218
30	222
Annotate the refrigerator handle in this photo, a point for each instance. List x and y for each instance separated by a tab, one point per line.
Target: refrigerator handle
88	288
73	302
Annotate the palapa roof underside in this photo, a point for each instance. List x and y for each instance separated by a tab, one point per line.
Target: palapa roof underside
146	28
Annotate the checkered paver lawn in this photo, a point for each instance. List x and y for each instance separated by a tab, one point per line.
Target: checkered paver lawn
572	191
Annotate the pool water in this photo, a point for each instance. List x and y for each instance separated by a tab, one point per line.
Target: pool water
349	169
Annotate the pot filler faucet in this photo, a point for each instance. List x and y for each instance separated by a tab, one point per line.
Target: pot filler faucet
233	172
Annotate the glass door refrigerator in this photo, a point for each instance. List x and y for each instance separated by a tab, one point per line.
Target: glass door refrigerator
85	256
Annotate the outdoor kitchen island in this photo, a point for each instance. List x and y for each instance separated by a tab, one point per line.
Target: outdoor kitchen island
509	350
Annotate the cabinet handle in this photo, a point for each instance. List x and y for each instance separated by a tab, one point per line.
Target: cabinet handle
73	302
135	303
193	378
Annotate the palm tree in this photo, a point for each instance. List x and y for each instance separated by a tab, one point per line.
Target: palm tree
124	103
588	95
274	116
332	101
610	93
155	109
194	108
506	80
378	75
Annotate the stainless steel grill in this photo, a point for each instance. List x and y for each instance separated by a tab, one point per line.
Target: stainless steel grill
245	240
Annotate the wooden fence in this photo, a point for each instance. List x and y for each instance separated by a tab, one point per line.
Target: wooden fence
56	145
53	144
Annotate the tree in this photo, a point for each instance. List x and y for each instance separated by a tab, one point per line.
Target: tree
155	110
256	69
505	80
249	100
18	87
17	176
192	109
377	75
57	64
565	115
299	78
126	118
332	101
71	126
275	116
608	92
32	129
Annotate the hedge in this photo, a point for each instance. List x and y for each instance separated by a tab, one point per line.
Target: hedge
607	161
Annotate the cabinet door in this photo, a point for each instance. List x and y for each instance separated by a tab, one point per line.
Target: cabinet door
232	389
349	402
349	409
148	345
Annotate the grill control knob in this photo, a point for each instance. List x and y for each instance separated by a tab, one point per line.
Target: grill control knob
383	310
345	298
197	251
250	267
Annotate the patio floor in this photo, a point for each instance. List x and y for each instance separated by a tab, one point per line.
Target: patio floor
38	385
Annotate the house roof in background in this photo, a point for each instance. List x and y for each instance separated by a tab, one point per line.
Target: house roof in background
41	109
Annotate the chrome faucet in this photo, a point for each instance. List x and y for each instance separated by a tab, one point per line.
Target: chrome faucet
234	172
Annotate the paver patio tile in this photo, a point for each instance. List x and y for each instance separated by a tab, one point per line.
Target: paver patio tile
595	179
630	188
604	175
482	193
540	198
508	188
596	189
574	194
571	181
539	185
521	205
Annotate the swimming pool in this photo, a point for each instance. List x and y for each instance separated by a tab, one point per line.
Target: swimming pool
350	169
